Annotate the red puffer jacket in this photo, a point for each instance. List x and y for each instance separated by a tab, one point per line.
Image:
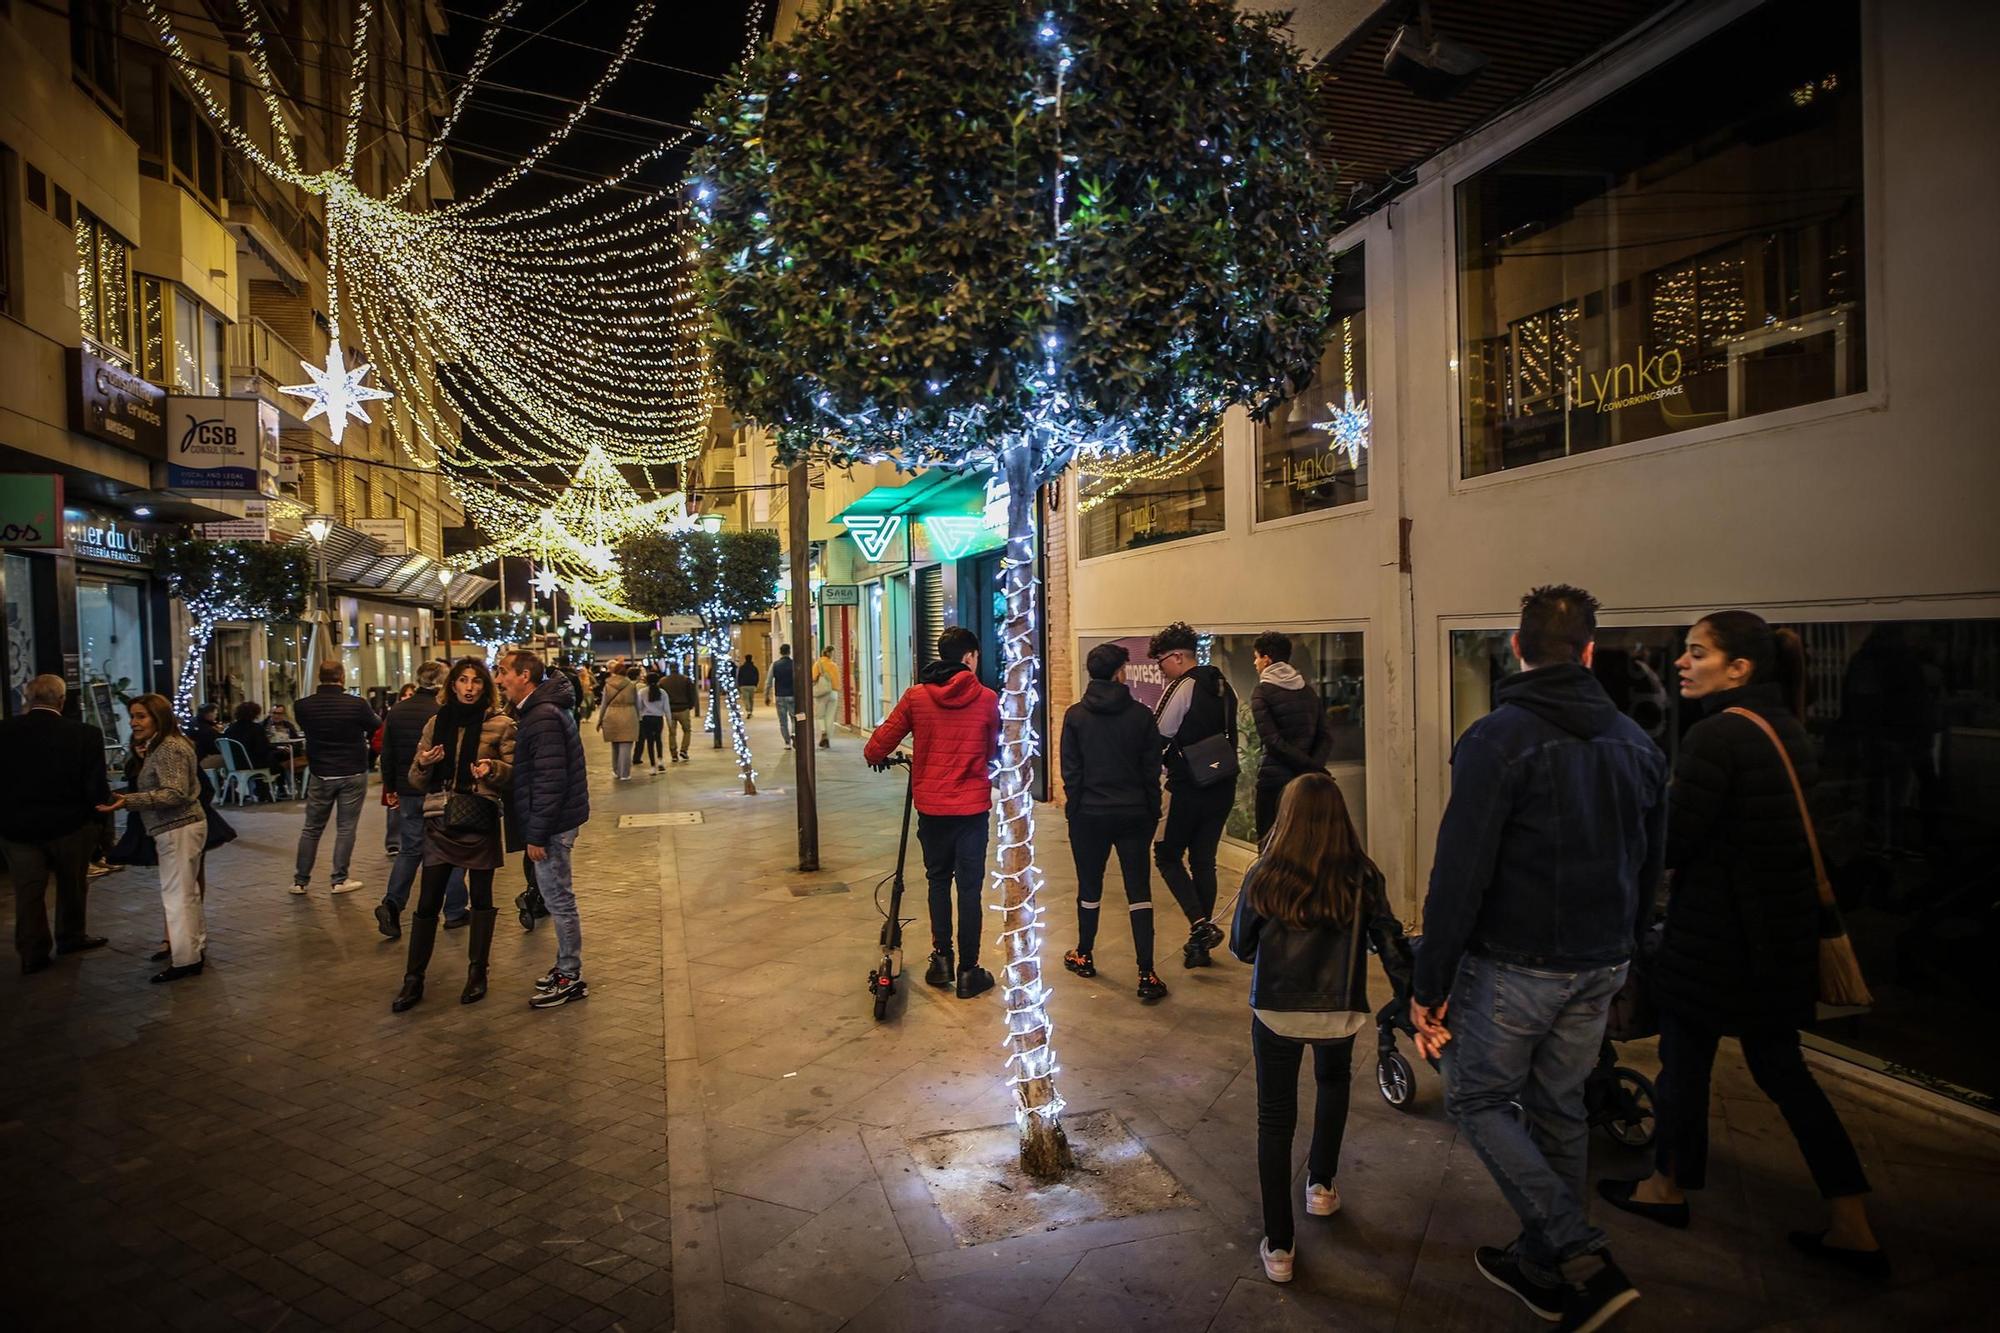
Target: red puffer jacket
956	721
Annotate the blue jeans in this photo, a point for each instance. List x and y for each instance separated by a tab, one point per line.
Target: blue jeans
409	815
340	797
552	877
1530	1035
787	705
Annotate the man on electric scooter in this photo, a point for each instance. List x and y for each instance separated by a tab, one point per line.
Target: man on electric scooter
955	722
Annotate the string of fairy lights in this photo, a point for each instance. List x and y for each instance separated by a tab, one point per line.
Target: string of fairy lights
526	354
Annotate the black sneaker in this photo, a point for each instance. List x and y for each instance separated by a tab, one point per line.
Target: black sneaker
1194	955
1208	935
1079	963
1599	1300
565	989
1151	987
974	981
940	971
547	981
1544	1300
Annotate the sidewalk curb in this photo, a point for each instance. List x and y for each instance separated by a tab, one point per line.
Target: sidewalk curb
694	1239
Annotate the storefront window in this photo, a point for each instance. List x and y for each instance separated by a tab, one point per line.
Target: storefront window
1313	452
1688	251
111	637
1332	666
19	577
1906	719
1148	501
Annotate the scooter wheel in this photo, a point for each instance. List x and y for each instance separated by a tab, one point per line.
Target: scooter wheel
1396	1079
881	1006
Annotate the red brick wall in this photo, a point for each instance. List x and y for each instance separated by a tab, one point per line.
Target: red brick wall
1059	644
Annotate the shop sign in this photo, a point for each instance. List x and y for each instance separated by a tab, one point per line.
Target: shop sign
31	506
110	403
840	594
111	538
1643	379
680	624
393	533
222	446
254	526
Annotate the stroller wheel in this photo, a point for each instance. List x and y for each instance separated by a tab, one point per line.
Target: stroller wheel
1396	1079
1630	1117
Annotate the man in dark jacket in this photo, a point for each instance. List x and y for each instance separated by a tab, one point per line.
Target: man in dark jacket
682	699
51	785
1111	786
1198	704
747	677
551	800
956	722
340	729
401	733
782	689
1290	724
1547	859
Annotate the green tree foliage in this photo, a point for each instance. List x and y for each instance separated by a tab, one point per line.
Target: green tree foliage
722	577
236	580
892	271
499	627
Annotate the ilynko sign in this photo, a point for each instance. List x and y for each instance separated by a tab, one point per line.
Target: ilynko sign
222	446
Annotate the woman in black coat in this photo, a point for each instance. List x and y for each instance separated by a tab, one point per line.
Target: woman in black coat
1740	956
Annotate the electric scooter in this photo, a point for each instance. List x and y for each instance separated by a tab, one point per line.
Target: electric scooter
882	981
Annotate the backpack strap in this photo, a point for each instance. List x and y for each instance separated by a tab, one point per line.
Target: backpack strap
1824	885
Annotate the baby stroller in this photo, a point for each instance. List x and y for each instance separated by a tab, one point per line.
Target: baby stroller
1617	1100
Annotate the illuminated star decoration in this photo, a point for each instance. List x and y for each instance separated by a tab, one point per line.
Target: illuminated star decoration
578	623
545	582
336	391
1348	424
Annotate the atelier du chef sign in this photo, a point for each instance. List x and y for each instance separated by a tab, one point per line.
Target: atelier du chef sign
222	446
112	538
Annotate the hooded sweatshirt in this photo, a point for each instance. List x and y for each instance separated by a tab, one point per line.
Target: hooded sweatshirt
1553	838
956	724
1287	713
1110	756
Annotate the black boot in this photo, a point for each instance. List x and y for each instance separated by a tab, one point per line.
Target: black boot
475	970
423	936
940	971
386	920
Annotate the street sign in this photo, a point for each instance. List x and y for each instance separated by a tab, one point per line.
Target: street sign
222	446
840	594
31	505
393	533
254	526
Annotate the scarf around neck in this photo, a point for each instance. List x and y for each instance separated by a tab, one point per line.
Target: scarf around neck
458	728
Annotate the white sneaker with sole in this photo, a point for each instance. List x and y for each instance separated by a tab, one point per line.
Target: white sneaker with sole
1277	1263
298	890
1322	1200
346	885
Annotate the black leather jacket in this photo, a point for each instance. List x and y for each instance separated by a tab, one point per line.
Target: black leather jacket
1321	968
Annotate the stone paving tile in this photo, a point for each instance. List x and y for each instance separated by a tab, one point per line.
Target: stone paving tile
268	1146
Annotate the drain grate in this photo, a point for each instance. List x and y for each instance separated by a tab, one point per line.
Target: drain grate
661	820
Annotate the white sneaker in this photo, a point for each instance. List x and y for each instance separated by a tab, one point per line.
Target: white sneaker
1277	1263
1322	1200
298	890
345	886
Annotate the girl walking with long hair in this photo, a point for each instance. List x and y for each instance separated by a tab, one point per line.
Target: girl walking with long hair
653	710
1742	951
464	765
1300	919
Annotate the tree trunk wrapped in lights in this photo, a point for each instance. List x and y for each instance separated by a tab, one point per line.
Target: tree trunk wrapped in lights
1064	231
221	581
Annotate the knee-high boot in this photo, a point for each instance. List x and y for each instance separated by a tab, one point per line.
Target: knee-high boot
475	954
423	935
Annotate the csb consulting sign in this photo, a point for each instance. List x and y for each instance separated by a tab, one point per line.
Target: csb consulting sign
222	446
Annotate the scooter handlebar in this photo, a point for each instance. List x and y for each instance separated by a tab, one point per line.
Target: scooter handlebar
899	759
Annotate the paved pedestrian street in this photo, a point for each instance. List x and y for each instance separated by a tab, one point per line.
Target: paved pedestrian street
720	1137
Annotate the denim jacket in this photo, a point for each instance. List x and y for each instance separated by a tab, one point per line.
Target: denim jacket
1554	835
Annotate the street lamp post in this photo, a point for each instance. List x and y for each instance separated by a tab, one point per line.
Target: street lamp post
319	527
444	578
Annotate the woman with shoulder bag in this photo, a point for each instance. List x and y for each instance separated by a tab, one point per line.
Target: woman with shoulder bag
1751	936
166	795
618	720
464	765
1300	918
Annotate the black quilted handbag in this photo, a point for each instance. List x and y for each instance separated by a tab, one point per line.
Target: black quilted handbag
468	814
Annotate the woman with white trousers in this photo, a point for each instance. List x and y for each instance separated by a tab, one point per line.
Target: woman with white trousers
167	797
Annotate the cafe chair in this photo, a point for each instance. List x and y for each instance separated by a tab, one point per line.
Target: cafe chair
238	777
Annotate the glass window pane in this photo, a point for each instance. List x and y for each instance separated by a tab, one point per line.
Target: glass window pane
187	338
208	163
1688	251
1152	500
153	330
1313	452
115	275
180	125
212	364
86	278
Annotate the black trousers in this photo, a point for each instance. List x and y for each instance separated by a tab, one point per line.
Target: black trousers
1267	809
1278	1119
651	730
954	848
430	889
1195	817
1092	839
66	859
1687	1058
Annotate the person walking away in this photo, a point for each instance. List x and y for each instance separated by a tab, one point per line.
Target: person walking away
166	795
52	787
955	723
1110	753
1740	954
683	699
780	689
618	721
462	767
339	728
1198	706
747	678
551	801
652	722
1547	860
1290	722
585	686
402	737
825	686
1301	916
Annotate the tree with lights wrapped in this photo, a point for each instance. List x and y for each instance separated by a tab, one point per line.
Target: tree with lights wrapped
221	581
982	234
720	578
